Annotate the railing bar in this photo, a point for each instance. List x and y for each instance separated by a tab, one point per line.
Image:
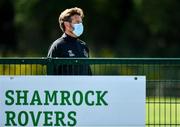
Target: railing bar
36	70
105	69
62	68
3	69
155	87
94	69
98	69
14	67
148	103
159	93
42	70
25	69
164	102
31	69
164	124
165	106
9	69
20	69
176	110
170	108
163	80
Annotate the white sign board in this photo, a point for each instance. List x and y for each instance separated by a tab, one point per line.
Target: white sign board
72	101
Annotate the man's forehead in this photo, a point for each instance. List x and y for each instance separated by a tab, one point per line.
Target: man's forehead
76	18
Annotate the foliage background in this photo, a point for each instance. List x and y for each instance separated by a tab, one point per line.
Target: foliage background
113	28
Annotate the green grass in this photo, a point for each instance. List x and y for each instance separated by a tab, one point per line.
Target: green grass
163	111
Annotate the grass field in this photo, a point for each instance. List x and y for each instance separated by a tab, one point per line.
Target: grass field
163	112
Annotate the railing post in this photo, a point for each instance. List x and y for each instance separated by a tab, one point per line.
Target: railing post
50	66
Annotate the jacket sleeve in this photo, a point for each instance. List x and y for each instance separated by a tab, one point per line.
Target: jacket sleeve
55	51
51	52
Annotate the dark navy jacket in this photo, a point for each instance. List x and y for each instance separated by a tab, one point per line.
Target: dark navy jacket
70	47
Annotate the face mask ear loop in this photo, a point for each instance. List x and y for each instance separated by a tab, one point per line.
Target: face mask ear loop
72	26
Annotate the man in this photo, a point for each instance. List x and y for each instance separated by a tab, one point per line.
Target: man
69	45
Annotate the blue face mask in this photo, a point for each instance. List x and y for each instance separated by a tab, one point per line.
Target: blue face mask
78	29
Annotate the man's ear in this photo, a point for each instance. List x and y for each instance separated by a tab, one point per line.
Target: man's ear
66	25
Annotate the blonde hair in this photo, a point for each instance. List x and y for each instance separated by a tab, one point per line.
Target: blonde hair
66	15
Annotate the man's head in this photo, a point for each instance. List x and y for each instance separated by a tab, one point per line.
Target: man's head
70	21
